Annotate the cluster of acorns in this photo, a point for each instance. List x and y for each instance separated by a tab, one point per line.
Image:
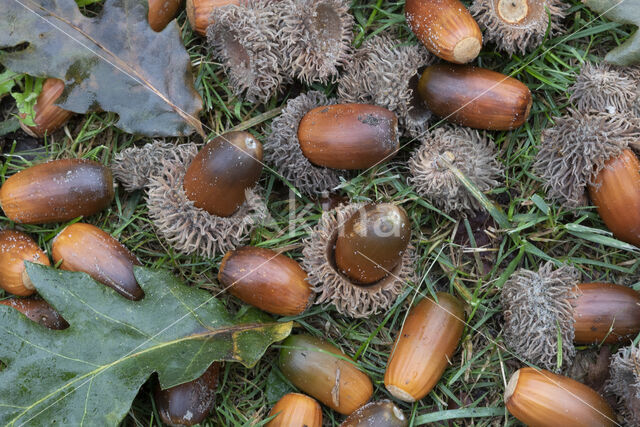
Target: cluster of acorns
359	256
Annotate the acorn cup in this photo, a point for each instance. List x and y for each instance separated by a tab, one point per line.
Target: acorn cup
296	410
189	403
542	398
624	384
424	346
161	12
475	97
199	13
323	371
86	248
446	28
602	88
267	280
57	191
16	248
377	414
48	116
37	310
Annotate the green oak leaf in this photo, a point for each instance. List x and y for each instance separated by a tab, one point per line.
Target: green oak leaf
90	372
624	12
114	62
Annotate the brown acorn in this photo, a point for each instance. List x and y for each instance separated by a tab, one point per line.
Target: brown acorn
84	247
377	414
220	173
37	310
309	363
16	248
189	403
265	279
296	410
446	28
616	193
48	116
605	313
161	12
542	398
199	11
424	347
371	242
475	97
348	136
57	191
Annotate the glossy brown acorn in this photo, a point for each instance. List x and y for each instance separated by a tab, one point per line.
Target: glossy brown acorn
16	248
309	363
57	191
161	12
48	116
616	193
295	409
265	279
542	398
37	310
221	172
377	414
446	28
372	242
189	403
475	97
199	11
605	313
84	247
348	136
424	347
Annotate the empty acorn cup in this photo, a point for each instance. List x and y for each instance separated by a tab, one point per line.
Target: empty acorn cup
15	248
602	88
37	310
624	383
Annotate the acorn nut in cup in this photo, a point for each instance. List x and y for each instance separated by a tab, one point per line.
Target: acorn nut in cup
310	365
424	346
542	398
37	310
57	191
475	97
296	410
446	28
48	116
16	248
265	279
161	12
199	11
377	414
86	248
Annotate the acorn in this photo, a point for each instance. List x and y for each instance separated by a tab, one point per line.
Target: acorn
296	410
48	116
423	348
86	248
542	398
220	173
615	191
266	279
475	97
57	191
37	310
310	365
16	248
371	243
377	414
189	403
446	28
161	12
199	11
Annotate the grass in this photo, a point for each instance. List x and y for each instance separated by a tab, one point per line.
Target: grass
524	229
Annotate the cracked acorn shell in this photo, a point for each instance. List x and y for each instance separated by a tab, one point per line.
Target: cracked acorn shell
377	414
161	12
615	191
16	248
199	11
542	398
309	364
57	191
220	173
48	116
371	243
266	279
475	97
37	310
424	347
295	409
86	248
348	136
189	403
446	28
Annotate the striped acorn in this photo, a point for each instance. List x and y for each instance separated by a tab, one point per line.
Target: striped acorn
296	410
